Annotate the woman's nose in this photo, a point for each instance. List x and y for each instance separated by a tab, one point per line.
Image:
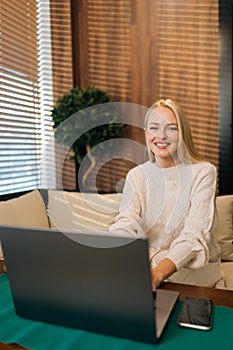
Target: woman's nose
161	134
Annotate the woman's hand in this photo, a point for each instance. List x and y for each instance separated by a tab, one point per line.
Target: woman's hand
162	271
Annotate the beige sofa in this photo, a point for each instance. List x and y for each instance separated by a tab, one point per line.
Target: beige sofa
93	212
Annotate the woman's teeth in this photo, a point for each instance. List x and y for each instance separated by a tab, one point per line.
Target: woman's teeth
161	144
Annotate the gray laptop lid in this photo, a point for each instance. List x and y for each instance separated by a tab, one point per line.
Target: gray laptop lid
107	290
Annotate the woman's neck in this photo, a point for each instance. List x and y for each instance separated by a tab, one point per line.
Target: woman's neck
166	163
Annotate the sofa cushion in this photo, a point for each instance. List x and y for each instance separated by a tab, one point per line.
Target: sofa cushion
224	232
90	212
26	210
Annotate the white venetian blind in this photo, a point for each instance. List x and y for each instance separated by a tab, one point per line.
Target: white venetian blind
25	94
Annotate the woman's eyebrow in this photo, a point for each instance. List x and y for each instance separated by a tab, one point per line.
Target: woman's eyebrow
154	123
173	124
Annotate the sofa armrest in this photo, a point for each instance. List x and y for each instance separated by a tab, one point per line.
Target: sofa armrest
227	268
224	231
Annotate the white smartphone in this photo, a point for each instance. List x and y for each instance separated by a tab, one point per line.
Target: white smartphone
196	313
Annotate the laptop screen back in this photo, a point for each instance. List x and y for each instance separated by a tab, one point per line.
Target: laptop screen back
57	280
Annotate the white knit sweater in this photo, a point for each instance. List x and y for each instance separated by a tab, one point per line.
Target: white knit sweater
175	208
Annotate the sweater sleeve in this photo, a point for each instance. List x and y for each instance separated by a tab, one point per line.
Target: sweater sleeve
128	221
191	248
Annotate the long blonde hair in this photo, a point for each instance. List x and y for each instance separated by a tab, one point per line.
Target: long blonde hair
186	149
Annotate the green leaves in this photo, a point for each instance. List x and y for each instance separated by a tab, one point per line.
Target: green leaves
78	100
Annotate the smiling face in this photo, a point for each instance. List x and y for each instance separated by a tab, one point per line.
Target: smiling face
162	136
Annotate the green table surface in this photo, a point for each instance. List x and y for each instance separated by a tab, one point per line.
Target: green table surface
41	336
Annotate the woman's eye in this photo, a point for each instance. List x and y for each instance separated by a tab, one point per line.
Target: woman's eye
172	128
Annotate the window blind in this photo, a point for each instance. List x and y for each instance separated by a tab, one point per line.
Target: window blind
25	123
188	55
61	42
140	51
109	46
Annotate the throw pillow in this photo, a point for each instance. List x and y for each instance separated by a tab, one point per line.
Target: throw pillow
82	211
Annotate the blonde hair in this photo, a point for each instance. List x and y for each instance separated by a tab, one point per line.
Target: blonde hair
186	149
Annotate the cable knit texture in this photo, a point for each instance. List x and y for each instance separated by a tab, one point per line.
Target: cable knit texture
175	208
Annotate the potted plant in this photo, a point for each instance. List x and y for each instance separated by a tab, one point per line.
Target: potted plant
80	99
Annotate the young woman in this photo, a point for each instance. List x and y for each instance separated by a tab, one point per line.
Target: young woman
171	200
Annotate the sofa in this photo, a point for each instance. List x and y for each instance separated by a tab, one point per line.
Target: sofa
94	212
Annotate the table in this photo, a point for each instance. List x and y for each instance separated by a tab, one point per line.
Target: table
224	319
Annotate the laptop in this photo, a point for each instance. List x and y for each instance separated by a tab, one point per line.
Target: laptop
63	280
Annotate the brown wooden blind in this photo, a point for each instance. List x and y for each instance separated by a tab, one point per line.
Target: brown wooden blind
25	97
140	51
19	36
61	47
107	47
19	97
188	65
108	41
60	12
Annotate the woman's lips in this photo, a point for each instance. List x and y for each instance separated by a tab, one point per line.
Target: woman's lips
161	145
